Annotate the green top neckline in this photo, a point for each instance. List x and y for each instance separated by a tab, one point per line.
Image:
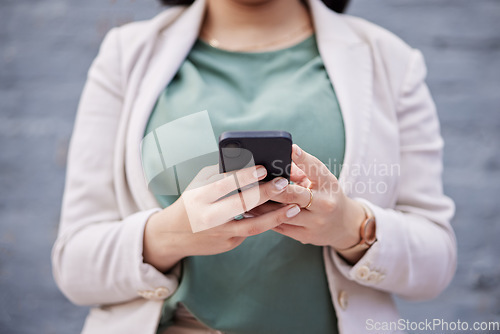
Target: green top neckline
305	43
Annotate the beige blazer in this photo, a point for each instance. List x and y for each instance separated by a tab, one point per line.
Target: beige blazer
392	143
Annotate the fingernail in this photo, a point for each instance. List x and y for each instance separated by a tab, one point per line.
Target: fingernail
238	217
280	183
298	151
248	215
259	172
293	211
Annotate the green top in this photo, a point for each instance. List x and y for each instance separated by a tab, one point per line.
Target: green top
270	283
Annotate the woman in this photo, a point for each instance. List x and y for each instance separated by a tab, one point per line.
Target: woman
326	254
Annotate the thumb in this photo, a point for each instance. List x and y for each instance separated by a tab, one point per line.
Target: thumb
297	176
313	168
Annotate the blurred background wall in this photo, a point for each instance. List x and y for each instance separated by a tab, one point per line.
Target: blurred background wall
47	46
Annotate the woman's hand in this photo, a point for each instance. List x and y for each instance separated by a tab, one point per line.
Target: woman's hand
332	219
205	207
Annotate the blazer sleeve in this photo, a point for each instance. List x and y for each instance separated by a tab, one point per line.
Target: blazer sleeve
97	257
415	252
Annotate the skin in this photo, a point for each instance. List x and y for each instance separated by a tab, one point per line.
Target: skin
333	219
239	24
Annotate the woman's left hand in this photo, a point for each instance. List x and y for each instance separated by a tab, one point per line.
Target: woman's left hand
332	218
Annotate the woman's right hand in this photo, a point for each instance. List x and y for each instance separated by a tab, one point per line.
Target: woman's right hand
169	237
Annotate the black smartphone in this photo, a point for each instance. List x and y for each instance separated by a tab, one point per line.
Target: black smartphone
271	149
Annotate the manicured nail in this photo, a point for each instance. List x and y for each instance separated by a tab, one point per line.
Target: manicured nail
298	151
280	183
293	211
248	215
259	172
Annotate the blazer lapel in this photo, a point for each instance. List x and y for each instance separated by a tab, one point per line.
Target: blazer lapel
349	65
172	47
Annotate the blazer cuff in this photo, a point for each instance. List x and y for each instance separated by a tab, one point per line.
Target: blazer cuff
112	252
149	282
372	268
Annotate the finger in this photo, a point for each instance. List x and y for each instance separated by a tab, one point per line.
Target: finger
250	198
206	175
297	176
295	194
234	180
265	208
304	219
315	170
266	222
202	217
298	233
208	172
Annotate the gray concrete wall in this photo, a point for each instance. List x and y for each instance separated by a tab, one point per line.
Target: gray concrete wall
46	48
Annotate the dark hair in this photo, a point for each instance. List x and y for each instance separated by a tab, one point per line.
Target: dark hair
337	5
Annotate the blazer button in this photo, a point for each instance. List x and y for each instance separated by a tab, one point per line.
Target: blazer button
343	299
362	273
148	294
373	277
161	293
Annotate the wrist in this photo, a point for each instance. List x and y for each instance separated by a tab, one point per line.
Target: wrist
352	218
162	248
367	236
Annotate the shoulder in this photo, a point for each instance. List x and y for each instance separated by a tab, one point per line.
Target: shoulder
393	59
135	36
126	44
138	31
380	39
